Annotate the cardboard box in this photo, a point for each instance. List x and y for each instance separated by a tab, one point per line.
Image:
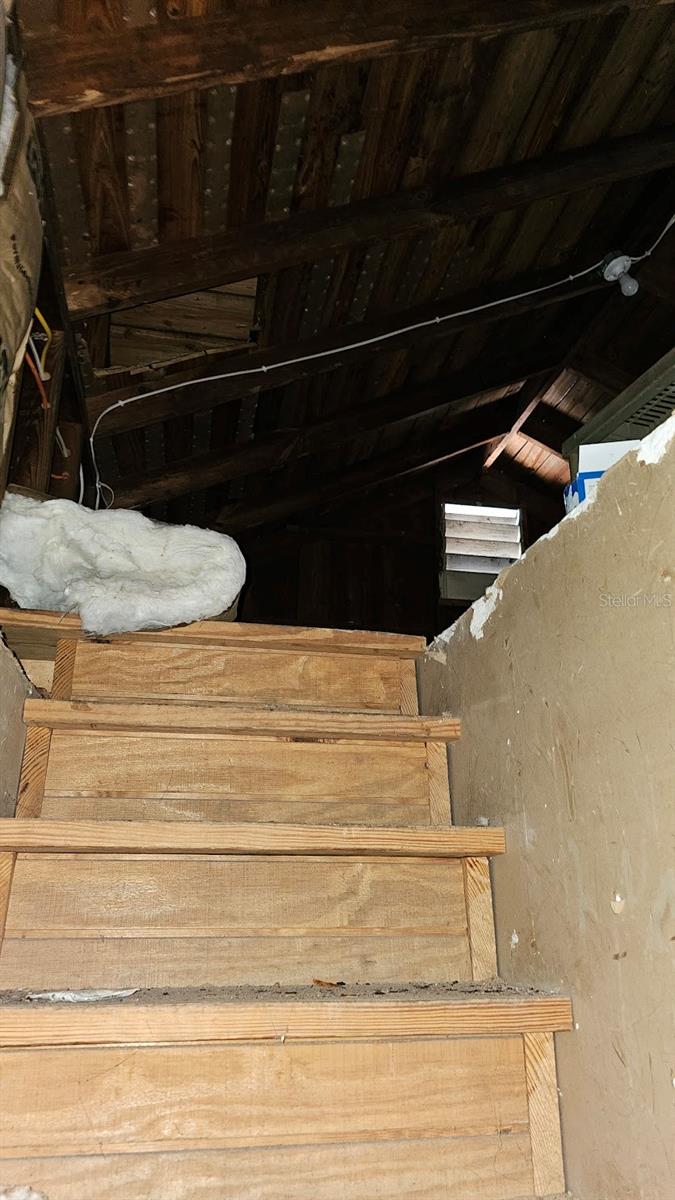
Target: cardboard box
594	459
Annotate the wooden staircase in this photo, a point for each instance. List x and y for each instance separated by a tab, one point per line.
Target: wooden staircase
244	834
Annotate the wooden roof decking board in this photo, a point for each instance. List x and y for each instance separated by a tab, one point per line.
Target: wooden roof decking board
329	434
138	277
326	351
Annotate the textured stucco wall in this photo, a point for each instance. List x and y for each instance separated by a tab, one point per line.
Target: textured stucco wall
566	690
14	687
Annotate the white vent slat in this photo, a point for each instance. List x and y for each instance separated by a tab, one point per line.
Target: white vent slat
491	549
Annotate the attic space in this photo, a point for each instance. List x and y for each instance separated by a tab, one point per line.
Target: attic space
337	479
306	288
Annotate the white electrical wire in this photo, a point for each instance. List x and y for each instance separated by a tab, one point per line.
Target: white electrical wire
61	444
640	257
44	376
382	337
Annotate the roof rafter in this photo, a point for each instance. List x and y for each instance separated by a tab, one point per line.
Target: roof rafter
140	276
261	369
465	434
528	400
238	461
89	69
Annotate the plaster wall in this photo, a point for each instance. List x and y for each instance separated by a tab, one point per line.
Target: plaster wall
564	678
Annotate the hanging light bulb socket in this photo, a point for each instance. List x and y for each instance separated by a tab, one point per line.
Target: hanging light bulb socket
616	269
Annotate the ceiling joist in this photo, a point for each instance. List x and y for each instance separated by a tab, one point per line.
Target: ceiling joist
139	276
90	69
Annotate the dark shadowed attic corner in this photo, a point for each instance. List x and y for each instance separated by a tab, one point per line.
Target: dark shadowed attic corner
337	668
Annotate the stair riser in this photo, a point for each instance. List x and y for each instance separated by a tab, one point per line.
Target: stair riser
251	1118
192	1097
115	774
118	921
151	671
492	1167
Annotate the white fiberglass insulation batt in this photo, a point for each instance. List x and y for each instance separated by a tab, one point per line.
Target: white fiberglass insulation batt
119	570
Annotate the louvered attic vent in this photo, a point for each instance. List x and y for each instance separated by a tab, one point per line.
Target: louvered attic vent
480	538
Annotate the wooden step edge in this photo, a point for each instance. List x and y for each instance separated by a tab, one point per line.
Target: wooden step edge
45	1023
34	634
47	836
233	719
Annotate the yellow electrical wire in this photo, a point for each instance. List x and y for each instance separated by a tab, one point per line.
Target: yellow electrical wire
45	326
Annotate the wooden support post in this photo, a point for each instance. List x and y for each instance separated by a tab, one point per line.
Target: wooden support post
64	669
439	788
542	1099
33	771
7	860
35	432
65	479
409	705
480	919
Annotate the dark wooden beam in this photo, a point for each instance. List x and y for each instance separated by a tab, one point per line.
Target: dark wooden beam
609	375
237	461
139	276
72	71
469	432
528	398
35	431
65	480
263	368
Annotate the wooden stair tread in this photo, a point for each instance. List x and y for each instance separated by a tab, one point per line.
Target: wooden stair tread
314	1012
188	837
238	720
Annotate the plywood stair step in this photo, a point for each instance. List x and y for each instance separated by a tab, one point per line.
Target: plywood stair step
265	1095
97	904
387	659
233	762
315	675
